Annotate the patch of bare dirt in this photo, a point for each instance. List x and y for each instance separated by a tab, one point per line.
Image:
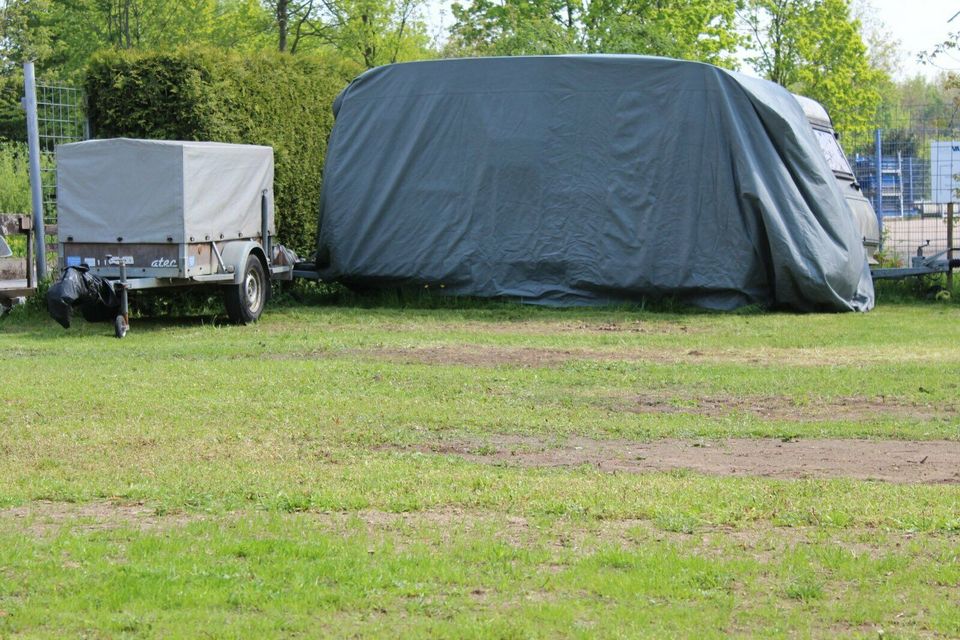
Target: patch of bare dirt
762	541
497	355
551	328
529	327
926	462
487	356
855	408
559	534
44	517
444	521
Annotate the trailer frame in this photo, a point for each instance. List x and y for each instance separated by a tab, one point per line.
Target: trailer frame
243	266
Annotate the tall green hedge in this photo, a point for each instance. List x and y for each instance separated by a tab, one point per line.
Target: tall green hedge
202	94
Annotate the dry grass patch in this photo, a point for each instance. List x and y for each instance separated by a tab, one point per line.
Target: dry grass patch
44	518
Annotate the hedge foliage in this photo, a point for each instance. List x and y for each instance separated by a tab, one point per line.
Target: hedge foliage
205	94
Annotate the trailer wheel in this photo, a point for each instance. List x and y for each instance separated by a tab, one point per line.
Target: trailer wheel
245	301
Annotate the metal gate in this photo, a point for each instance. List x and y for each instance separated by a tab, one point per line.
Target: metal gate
61	118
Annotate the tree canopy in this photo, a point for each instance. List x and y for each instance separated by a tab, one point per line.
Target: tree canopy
62	35
690	29
815	48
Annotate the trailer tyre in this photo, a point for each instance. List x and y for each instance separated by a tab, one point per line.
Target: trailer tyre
245	301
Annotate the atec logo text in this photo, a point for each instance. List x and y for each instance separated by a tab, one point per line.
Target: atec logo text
163	262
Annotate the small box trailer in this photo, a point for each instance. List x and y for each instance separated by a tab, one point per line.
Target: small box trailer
148	214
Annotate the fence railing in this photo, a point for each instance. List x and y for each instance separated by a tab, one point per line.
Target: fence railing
909	168
61	116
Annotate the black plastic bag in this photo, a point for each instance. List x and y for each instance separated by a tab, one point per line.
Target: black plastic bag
78	287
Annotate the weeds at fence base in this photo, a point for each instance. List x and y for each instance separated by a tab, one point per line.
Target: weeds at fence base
932	288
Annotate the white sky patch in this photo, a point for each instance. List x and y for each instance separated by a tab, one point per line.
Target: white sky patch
920	25
439	18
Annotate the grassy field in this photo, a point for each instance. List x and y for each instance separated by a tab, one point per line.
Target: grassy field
304	477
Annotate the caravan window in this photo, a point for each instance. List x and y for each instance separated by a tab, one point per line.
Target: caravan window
832	151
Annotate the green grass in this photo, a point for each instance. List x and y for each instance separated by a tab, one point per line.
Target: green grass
252	482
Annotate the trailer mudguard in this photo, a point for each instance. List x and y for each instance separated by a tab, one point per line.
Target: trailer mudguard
235	255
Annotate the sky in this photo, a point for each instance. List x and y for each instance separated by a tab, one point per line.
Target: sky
917	24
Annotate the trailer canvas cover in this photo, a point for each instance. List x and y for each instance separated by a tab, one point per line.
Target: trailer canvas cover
586	179
155	191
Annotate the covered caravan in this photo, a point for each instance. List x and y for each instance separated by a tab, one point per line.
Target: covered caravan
586	179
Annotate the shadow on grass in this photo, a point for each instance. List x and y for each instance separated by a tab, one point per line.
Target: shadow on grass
910	291
157	310
37	324
304	292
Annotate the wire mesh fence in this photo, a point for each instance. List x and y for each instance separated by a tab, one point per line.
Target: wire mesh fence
61	118
909	169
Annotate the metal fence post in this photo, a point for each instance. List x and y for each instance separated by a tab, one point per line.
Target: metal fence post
36	186
950	245
912	197
878	177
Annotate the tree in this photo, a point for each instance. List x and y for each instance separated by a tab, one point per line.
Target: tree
691	29
884	49
295	21
694	30
814	48
371	32
943	55
517	27
61	35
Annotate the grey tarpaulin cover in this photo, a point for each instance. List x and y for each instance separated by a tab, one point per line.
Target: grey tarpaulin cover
161	191
585	179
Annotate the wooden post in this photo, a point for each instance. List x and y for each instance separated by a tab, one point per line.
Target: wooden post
31	280
950	246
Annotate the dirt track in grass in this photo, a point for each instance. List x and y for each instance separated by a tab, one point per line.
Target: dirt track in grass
774	407
762	541
477	355
918	462
528	357
46	517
